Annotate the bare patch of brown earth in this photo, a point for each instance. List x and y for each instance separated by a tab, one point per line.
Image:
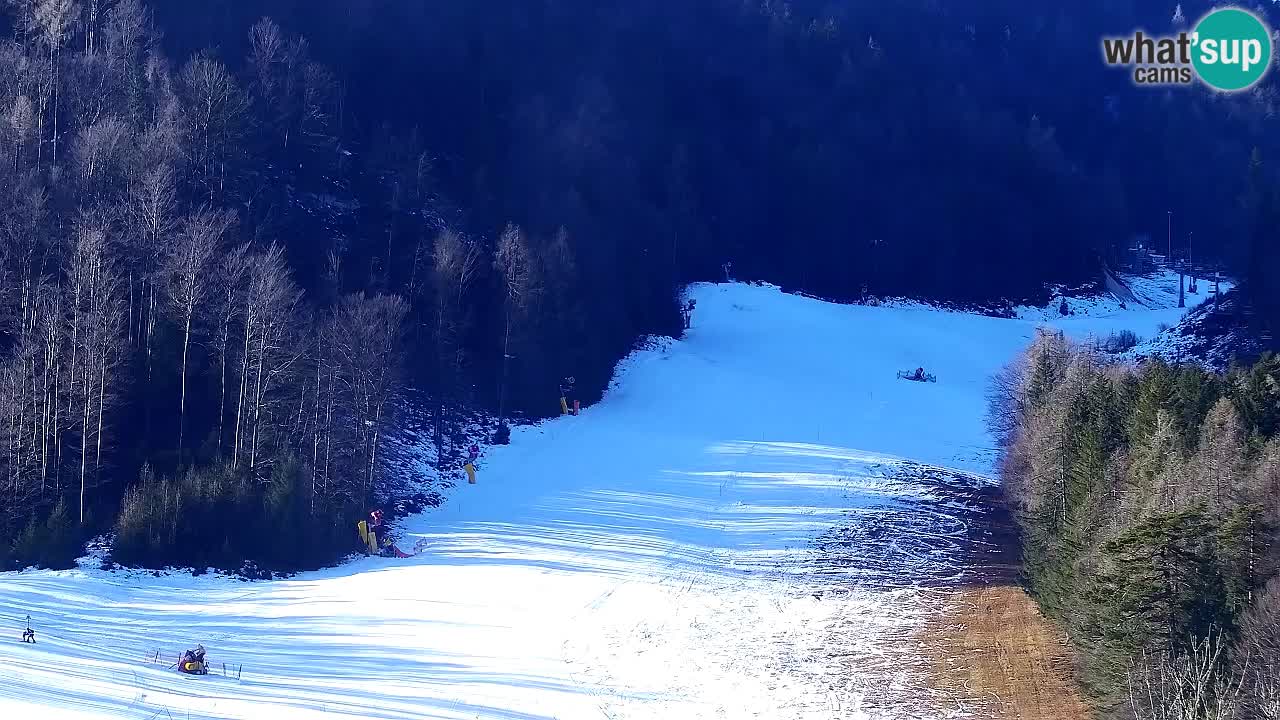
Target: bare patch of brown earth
984	649
995	656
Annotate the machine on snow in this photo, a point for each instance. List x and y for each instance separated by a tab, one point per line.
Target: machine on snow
193	662
917	375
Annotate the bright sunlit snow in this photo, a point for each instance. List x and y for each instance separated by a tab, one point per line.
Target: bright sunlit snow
751	524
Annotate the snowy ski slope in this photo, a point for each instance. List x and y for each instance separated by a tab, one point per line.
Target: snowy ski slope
750	525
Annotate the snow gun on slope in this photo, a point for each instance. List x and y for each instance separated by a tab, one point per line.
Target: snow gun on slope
194	662
917	375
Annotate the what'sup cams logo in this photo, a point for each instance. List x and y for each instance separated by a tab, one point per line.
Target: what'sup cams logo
1229	50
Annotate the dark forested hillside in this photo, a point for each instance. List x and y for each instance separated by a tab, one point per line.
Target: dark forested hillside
962	149
233	231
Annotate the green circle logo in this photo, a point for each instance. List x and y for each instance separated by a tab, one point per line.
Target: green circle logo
1231	49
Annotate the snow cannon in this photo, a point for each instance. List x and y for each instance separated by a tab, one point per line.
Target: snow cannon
915	376
193	662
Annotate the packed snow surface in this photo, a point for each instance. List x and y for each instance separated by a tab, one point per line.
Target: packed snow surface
751	524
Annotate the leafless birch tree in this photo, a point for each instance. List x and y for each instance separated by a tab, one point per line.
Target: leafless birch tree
189	272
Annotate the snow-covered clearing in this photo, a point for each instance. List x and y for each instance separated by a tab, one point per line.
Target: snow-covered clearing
753	523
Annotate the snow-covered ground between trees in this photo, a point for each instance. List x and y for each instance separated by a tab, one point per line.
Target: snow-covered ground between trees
752	524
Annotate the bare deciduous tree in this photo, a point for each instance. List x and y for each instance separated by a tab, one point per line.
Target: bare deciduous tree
127	30
368	345
27	244
455	262
20	122
98	321
266	52
93	12
215	109
1192	685
152	211
1260	632
1006	401
188	270
54	20
271	348
98	152
94	91
513	260
232	270
316	102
